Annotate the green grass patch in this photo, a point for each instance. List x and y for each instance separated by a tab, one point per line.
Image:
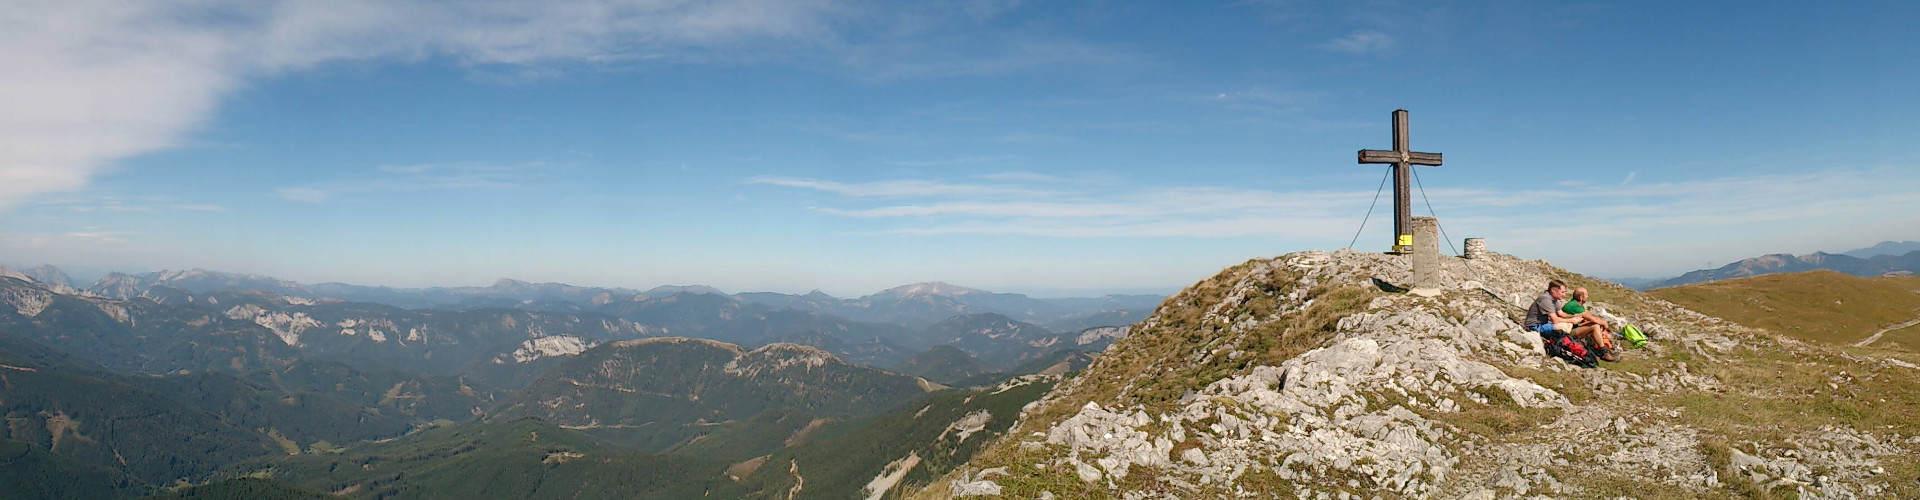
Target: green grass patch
1500	417
1567	383
1720	456
1029	480
1607	484
1800	391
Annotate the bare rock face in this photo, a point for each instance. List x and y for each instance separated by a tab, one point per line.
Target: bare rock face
1407	396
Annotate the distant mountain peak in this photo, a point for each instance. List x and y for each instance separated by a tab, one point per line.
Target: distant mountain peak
780	357
626	344
934	288
1789	263
669	290
1885	248
790	349
46	273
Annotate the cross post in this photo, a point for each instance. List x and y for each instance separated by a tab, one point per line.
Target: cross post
1402	158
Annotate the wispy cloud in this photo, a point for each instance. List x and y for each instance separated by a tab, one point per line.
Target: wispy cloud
1024	203
1018	176
98	237
120	204
902	188
953	56
85	238
420	177
964	160
1267	100
1360	42
1038	207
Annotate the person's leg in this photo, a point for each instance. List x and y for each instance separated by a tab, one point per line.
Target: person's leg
1601	337
1603	333
1586	333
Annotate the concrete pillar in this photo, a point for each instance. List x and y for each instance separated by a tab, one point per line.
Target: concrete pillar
1426	254
1476	248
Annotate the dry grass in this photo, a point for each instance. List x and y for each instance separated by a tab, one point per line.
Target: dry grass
1822	306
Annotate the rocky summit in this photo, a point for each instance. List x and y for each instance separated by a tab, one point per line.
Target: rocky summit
1307	376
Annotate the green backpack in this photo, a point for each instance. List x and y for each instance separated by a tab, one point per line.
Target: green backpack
1634	336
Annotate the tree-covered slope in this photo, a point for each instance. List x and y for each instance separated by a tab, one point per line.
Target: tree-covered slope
945	364
243	488
521	458
28	471
887	455
159	429
659	391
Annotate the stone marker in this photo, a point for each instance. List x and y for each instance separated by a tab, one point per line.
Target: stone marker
1426	257
1476	248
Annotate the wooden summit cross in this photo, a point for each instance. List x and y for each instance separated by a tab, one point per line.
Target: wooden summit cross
1402	158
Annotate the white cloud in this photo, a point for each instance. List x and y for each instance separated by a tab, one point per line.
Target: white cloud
423	177
1360	42
85	83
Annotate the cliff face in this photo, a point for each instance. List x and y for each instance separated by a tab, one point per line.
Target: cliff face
1297	376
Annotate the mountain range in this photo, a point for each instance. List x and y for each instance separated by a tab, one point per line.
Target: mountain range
1886	257
1876	265
194	383
916	306
465	330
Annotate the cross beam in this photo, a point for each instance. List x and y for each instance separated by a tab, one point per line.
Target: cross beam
1402	157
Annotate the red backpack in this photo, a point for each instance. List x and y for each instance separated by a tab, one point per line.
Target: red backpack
1565	347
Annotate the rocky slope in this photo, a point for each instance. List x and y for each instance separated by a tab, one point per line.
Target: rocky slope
1299	377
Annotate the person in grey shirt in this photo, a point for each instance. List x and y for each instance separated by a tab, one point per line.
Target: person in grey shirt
1544	315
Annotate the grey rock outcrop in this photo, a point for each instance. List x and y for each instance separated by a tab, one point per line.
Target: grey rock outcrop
1420	397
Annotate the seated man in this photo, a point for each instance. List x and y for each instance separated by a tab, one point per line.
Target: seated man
1544	315
1589	325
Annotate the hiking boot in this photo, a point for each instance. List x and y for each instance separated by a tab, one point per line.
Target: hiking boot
1607	355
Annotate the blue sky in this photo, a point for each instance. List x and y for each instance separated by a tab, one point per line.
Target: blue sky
1055	148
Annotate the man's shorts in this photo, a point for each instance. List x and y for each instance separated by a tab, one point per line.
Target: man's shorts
1553	327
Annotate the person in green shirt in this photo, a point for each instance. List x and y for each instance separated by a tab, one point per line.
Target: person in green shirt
1602	333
